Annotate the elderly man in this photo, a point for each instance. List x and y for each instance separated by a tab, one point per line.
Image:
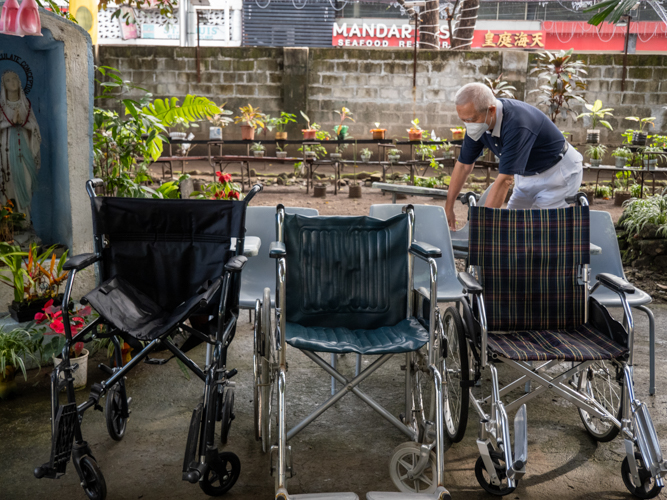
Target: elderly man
533	153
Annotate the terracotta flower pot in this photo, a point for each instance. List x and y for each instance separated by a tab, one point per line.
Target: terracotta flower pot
415	135
309	134
81	373
378	133
247	132
281	136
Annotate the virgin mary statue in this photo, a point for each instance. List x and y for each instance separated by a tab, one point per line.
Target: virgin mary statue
19	144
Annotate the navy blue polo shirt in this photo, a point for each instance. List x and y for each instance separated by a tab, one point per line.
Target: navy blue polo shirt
524	139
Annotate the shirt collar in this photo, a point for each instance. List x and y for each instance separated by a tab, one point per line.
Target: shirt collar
499	119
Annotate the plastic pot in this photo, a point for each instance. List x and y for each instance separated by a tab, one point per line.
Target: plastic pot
365	158
309	135
281	136
378	133
593	136
81	373
177	136
415	135
215	134
639	138
620	161
596	163
393	158
281	155
458	135
650	164
258	154
247	132
335	156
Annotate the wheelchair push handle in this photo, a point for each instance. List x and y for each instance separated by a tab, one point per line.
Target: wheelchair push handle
91	184
469	198
578	199
253	191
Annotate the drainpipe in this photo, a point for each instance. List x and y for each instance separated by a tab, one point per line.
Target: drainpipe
183	23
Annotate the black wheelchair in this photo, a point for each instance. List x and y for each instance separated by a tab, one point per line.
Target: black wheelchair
528	307
161	263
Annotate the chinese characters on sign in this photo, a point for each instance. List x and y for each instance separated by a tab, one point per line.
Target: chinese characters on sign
514	40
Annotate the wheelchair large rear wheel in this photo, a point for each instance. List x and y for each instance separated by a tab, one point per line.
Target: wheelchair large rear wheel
457	374
265	379
257	369
602	381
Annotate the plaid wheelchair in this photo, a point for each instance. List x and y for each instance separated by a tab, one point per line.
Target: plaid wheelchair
346	285
162	262
529	308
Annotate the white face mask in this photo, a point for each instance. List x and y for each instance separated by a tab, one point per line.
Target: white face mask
476	130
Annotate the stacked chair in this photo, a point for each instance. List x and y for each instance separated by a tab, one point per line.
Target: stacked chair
160	263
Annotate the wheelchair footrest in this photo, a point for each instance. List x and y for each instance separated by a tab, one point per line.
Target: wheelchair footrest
61	441
325	496
191	473
439	494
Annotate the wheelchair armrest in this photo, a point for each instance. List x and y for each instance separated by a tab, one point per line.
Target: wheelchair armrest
236	263
614	283
424	250
277	250
80	261
470	284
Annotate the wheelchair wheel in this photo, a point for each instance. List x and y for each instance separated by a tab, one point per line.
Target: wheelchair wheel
227	414
602	381
257	370
484	479
221	474
648	489
113	412
423	396
403	460
265	378
93	481
457	397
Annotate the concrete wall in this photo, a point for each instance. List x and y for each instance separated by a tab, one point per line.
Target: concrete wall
377	84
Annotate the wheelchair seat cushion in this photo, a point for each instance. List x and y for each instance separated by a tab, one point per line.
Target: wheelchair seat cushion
406	336
581	343
134	313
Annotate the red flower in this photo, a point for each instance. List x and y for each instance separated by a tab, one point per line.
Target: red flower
47	305
233	194
224	177
40	317
85	311
57	326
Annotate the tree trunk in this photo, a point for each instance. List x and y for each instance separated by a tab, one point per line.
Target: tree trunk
429	29
465	29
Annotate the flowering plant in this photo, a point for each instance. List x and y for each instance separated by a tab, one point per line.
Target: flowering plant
221	189
51	317
9	221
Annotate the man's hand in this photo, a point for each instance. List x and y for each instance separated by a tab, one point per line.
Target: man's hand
451	218
499	190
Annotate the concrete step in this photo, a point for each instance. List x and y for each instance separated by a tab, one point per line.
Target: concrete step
439	494
325	496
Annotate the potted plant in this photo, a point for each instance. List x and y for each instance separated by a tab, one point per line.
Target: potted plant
622	193
10	221
458	133
378	133
320	191
15	345
622	156
639	136
309	132
589	191
33	279
447	152
281	154
597	115
341	130
415	132
218	122
604	192
366	155
280	122
650	156
338	152
258	149
394	155
250	118
53	325
565	82
636	191
220	189
596	153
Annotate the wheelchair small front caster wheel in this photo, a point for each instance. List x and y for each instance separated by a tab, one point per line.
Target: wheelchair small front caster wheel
93	481
221	474
227	414
484	479
404	459
648	489
113	410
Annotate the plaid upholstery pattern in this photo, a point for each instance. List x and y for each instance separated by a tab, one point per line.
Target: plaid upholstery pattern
529	262
581	343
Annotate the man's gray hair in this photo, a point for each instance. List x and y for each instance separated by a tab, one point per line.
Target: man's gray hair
477	93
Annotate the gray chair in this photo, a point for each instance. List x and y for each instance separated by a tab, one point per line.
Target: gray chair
260	271
460	237
603	234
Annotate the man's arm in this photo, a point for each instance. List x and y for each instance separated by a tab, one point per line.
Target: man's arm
459	176
499	189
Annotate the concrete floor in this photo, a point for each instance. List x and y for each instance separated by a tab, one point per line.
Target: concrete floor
348	449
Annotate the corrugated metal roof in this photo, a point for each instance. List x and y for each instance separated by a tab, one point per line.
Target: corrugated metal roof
287	23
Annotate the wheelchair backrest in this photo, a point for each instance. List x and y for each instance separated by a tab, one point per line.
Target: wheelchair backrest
529	263
166	248
346	271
